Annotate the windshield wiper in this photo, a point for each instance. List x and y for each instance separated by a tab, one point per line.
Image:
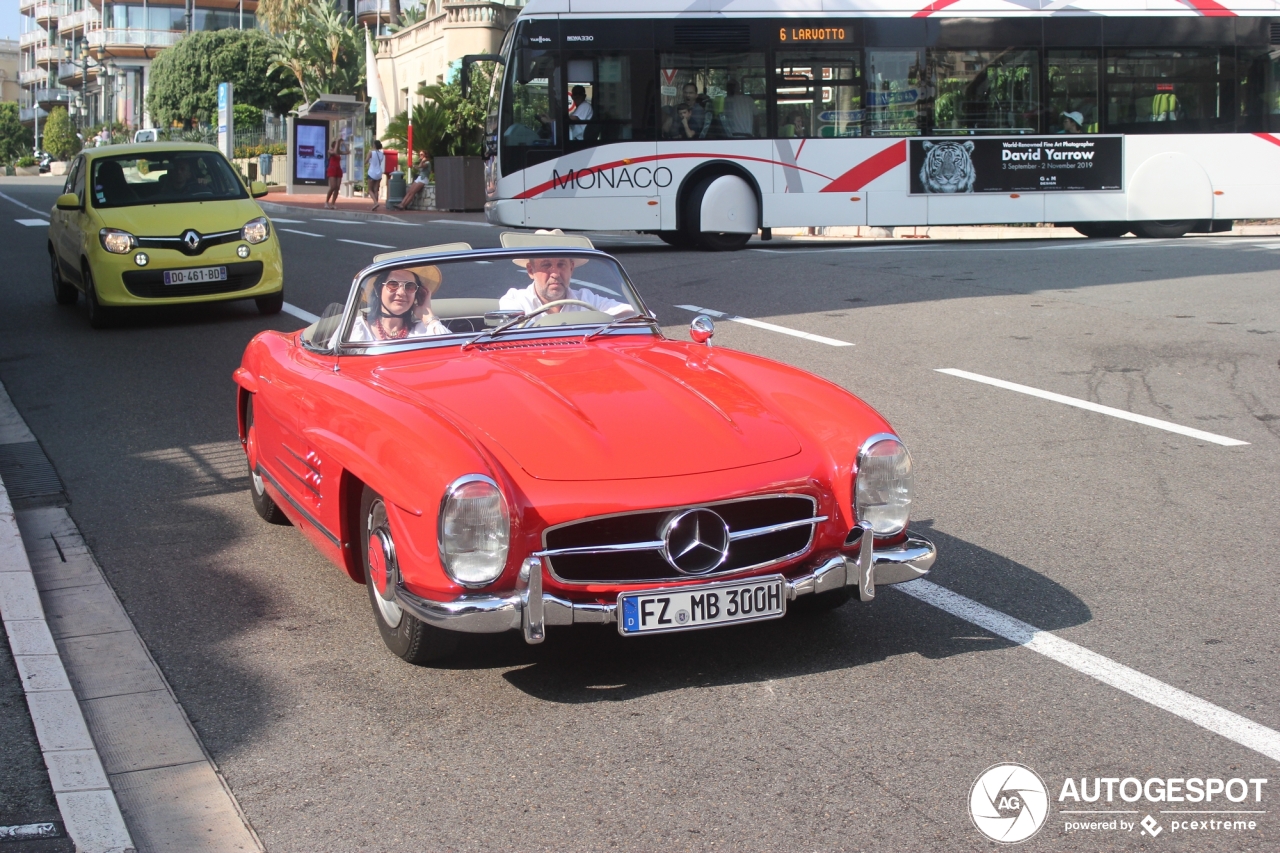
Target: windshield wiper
490	333
648	319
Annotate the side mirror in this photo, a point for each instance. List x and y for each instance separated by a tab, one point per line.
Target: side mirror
68	201
702	329
257	189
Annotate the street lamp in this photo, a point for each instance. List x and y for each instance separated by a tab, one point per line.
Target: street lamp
83	65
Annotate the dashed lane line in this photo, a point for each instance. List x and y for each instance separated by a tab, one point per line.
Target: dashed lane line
303	233
32	223
363	243
1193	709
341	221
1095	407
460	222
290	221
304	316
759	324
13	200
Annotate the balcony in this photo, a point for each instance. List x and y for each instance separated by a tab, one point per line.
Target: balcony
48	98
25	5
77	20
27	115
71	73
48	55
32	75
476	13
33	38
47	14
368	11
129	42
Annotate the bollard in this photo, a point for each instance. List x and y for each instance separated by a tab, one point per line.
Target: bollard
395	188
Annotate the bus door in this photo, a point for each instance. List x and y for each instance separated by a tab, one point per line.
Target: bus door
531	126
821	122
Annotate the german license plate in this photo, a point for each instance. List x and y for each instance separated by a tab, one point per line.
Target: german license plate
691	607
196	275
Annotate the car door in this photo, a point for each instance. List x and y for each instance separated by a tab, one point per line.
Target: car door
64	222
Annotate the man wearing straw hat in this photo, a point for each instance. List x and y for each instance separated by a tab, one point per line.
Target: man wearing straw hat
551	282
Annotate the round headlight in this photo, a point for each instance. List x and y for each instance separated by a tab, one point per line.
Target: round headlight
116	241
882	491
475	530
256	230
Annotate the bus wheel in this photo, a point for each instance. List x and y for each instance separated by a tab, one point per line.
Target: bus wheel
679	239
1156	229
722	242
1102	229
724	200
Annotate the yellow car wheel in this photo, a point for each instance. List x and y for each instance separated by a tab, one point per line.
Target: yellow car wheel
63	293
100	317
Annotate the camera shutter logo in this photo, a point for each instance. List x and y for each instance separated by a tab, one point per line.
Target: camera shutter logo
1008	803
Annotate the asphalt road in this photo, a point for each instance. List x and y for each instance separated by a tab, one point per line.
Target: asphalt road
863	729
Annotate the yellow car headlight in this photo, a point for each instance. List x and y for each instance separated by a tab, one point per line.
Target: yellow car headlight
117	242
256	230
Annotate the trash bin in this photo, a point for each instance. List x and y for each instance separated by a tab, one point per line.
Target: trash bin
395	188
264	164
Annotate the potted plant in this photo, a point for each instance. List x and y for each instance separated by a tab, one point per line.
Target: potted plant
27	165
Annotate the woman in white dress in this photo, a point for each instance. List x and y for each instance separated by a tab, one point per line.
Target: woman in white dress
399	307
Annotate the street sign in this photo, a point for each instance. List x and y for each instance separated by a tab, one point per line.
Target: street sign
226	120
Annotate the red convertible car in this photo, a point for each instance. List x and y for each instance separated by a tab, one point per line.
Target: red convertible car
503	439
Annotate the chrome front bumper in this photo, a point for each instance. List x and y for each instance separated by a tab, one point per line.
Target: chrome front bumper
530	610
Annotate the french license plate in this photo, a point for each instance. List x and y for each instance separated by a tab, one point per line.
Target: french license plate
691	607
195	276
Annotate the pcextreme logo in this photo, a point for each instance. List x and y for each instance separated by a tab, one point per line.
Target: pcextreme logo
1009	803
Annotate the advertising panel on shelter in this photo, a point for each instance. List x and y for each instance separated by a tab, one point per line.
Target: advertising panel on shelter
1016	164
311	142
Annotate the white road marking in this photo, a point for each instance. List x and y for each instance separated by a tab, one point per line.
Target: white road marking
33	223
290	221
461	222
747	321
303	233
1193	709
1095	407
341	221
362	243
304	316
13	200
28	832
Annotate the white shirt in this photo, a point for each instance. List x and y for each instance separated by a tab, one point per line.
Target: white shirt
582	112
377	162
739	115
362	333
526	300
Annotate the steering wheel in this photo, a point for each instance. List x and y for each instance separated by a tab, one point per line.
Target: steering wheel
542	309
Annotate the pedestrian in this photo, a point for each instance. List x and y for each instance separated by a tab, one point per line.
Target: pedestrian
374	165
419	183
333	172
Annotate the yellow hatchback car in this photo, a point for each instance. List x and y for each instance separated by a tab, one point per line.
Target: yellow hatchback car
161	224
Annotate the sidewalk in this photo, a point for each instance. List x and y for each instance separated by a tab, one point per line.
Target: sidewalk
355	207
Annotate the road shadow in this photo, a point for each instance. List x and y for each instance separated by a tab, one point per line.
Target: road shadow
596	664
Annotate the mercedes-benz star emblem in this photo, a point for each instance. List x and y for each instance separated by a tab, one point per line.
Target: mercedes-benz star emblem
695	541
192	239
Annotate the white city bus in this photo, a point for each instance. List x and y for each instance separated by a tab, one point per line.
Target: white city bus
705	122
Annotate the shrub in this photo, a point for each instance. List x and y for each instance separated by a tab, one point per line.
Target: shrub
59	136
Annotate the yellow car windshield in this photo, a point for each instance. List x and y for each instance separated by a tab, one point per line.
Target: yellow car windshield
163	177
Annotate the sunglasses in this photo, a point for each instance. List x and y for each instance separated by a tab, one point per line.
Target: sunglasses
396	284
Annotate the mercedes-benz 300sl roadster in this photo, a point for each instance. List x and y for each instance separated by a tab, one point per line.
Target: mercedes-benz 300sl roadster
503	439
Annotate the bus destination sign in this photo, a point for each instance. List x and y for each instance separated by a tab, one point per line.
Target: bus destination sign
1018	164
811	35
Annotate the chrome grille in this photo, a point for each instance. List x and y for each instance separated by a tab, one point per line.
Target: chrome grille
627	547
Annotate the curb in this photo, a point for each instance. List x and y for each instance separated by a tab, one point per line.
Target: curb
275	207
89	807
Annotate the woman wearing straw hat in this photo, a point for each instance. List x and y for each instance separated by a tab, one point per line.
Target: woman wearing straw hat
392	300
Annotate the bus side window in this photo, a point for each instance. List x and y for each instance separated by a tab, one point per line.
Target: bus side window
1259	89
616	90
532	110
819	94
1073	88
712	95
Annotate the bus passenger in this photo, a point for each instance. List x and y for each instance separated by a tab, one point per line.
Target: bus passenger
1073	122
580	113
739	117
693	126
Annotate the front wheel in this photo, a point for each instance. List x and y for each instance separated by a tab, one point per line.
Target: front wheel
63	293
1108	230
100	316
405	635
270	304
262	502
822	602
1156	229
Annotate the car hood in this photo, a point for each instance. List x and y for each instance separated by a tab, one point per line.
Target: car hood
598	412
170	220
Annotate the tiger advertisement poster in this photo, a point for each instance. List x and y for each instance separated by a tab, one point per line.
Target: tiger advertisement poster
1016	164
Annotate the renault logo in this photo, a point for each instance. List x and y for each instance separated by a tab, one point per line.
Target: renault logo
695	541
192	239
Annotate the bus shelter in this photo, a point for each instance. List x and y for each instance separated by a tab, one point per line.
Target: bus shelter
311	129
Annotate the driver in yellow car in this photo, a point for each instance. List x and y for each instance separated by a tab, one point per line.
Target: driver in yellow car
551	279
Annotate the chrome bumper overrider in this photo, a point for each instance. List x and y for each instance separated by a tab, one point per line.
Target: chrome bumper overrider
530	610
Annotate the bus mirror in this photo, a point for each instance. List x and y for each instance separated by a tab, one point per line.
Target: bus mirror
467	62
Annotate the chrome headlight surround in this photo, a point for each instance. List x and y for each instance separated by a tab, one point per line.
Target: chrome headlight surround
256	230
474	530
882	489
117	242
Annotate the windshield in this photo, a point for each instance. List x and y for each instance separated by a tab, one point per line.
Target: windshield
493	295
163	177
